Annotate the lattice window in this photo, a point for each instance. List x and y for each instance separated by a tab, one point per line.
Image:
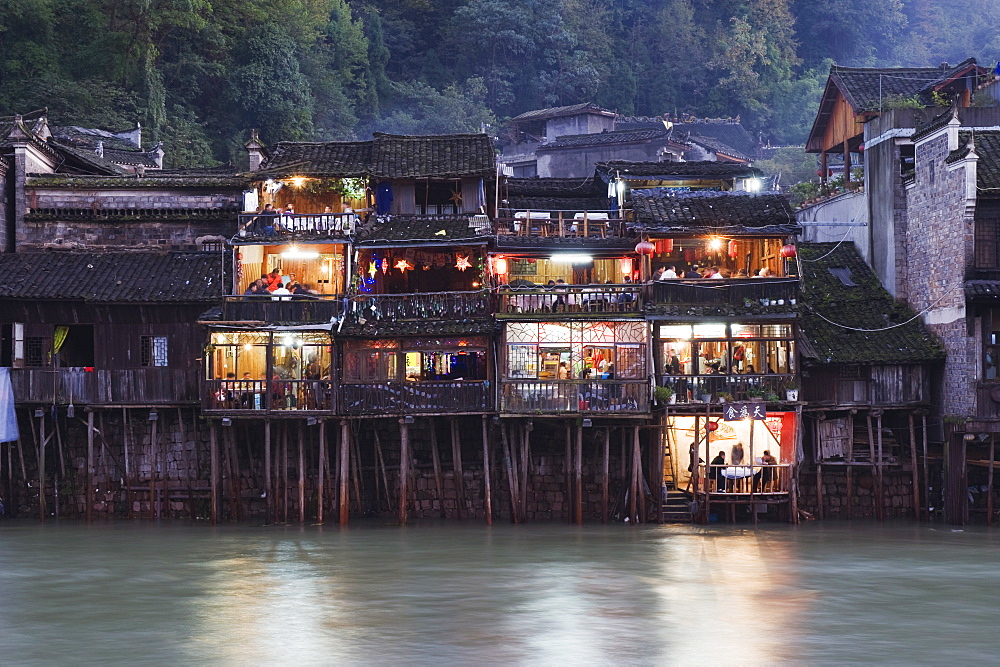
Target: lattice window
34	351
153	350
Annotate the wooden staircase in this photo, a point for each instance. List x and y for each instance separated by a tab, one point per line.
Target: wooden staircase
675	505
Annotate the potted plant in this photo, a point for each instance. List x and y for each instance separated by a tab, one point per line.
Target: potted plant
755	394
664	395
770	397
724	397
791	390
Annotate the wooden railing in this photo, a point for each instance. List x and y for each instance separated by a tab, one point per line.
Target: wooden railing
425	306
689	388
560	224
133	386
375	398
268	395
582	396
735	291
745	479
267	226
575	299
295	308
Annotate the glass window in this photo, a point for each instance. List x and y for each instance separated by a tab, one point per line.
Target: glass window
677	357
681	332
153	350
710	331
522	361
713	358
370	366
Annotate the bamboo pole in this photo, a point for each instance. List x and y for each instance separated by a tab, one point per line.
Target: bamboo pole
511	481
488	500
404	470
90	466
578	477
914	467
302	473
436	459
268	488
214	474
321	465
343	496
605	475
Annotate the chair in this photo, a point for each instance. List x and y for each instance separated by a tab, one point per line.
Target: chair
595	221
525	222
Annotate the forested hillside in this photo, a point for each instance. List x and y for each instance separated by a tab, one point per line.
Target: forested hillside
199	73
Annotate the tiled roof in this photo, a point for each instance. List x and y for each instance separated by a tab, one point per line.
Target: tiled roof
221	177
935	123
639	122
866	305
865	88
669	170
572	204
555	112
403	228
386	156
549	243
987	147
85	159
729	134
734	211
442	156
114	277
138	158
88	137
717	146
982	290
551	187
605	138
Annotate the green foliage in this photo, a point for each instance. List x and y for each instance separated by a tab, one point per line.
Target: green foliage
901	102
791	163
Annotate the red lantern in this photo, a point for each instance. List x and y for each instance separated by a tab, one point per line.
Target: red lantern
645	248
788	251
732	250
711	426
664	246
500	264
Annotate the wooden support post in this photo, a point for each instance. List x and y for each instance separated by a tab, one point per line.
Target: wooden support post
436	460
456	464
283	470
847	163
871	458
43	509
345	453
578	477
511	481
213	439
525	467
914	468
404	470
488	499
881	468
125	445
381	465
90	466
989	482
154	461
268	488
568	472
302	474
605	473
850	492
632	500
320	480
927	477
355	474
659	460
819	490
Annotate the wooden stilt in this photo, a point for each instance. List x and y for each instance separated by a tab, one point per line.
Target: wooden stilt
515	515
436	460
927	477
381	463
43	509
404	470
154	462
872	460
356	475
819	490
525	467
850	492
634	501
342	494
320	470
914	467
283	466
302	473
456	463
568	472
989	482
578	478
605	475
268	489
881	468
90	466
488	499
328	474
214	474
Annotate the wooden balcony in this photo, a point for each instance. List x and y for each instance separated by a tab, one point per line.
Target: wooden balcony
132	386
297	308
274	397
379	398
560	224
575	396
731	291
570	300
425	306
695	389
740	483
298	226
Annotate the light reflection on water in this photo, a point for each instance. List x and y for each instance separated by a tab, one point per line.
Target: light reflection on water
541	593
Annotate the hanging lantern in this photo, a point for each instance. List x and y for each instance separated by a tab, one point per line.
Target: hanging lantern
788	251
645	248
732	250
500	265
404	266
626	266
664	246
462	262
372	269
711	426
688	255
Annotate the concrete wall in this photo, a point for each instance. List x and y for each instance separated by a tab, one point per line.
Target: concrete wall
579	162
848	207
585	123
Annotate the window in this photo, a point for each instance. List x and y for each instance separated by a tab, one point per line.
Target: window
438	198
35	351
153	350
371	366
575	351
714	349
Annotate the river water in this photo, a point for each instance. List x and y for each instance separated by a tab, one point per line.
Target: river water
462	592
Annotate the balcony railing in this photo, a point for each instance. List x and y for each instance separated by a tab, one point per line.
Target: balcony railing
133	386
734	291
376	398
560	224
746	479
429	305
268	395
581	396
295	308
707	388
264	226
570	299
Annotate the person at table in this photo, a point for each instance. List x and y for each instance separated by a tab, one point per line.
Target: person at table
692	273
256	288
668	273
718	471
714	273
736	455
767	473
228	390
274	280
563	372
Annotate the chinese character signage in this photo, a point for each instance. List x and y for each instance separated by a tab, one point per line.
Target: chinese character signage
737	411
